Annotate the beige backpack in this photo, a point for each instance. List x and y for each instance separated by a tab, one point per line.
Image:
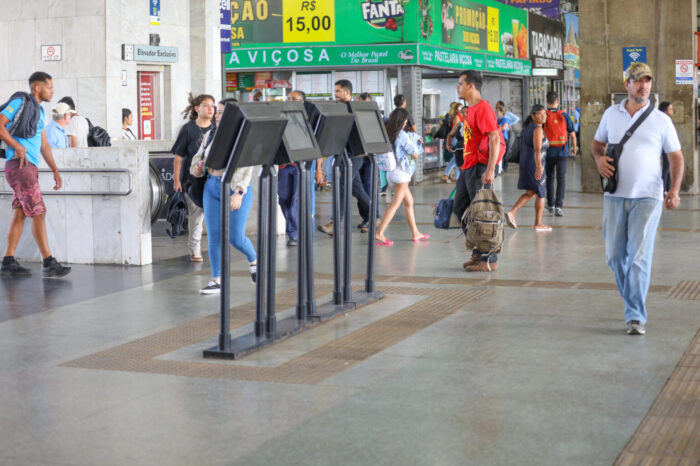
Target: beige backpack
485	222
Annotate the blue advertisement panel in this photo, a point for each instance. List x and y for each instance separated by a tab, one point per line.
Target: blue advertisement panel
571	48
225	25
154	11
633	55
548	8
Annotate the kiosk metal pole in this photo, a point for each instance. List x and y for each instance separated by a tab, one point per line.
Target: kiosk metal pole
310	294
337	264
302	217
225	302
347	275
271	234
374	201
260	282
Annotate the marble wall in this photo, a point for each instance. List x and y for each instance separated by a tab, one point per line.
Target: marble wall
91	33
96	229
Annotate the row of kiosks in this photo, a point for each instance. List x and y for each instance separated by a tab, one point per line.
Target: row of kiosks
270	133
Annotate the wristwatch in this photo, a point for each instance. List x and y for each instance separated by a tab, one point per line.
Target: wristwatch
240	191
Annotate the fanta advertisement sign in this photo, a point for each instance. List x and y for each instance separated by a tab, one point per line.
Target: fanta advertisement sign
383	14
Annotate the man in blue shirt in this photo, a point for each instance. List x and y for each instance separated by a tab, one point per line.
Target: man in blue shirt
557	127
22	130
55	130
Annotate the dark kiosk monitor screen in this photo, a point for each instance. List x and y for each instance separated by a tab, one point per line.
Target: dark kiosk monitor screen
297	135
368	135
369	125
258	130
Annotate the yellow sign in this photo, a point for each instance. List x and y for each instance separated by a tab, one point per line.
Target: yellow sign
493	30
308	21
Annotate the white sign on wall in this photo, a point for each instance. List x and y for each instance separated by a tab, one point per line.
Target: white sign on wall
50	53
685	70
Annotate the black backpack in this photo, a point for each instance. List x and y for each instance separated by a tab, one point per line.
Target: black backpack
176	213
97	136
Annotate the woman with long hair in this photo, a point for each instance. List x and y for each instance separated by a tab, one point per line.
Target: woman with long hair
200	113
404	151
450	119
533	149
240	204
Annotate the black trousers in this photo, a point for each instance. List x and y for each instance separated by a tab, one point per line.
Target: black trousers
558	164
468	183
358	190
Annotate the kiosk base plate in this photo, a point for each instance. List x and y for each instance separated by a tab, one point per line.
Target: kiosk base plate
290	326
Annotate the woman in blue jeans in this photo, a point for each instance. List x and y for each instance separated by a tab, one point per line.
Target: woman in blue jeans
241	203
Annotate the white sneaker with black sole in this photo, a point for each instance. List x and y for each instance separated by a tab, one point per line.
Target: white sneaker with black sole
211	288
635	327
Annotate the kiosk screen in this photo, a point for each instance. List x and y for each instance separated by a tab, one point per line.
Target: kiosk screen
368	123
297	135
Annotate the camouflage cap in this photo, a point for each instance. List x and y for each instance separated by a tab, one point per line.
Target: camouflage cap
637	71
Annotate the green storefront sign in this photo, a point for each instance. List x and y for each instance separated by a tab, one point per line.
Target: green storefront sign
331	56
508	65
486	25
435	56
286	22
457	34
322	56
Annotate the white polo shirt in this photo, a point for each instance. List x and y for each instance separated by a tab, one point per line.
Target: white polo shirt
639	168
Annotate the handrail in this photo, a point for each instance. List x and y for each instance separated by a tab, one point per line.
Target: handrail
85	193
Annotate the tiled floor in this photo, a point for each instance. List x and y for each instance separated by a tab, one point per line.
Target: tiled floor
527	366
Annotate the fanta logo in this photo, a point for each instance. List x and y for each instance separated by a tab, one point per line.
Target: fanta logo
382	14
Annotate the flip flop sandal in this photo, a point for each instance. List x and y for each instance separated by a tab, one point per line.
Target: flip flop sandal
422	238
510	220
388	242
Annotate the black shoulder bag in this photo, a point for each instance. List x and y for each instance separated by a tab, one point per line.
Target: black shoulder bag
614	151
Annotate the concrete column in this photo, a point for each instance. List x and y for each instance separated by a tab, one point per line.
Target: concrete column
411	86
204	48
666	28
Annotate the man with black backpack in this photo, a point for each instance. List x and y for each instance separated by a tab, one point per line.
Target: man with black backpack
22	132
635	134
557	127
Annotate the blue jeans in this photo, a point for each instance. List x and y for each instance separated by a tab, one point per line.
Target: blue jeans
328	167
212	217
452	166
629	230
288	192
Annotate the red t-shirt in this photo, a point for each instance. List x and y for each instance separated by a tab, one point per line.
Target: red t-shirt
481	119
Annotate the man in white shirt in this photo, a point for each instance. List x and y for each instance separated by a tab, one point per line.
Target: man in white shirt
631	214
78	128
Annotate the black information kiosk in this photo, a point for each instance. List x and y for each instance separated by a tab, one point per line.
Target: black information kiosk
238	143
368	136
248	135
298	145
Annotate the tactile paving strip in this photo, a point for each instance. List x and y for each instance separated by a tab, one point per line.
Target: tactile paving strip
670	432
686	289
477	280
310	368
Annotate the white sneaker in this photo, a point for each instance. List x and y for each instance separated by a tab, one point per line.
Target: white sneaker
211	288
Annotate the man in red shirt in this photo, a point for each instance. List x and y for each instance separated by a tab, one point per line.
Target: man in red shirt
483	148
